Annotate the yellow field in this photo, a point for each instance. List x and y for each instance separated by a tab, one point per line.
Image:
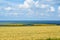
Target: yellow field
29	32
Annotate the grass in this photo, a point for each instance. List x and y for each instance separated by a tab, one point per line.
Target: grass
30	33
53	39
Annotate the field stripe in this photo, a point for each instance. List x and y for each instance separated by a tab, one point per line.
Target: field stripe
29	32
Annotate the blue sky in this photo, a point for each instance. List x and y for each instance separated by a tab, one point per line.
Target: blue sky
29	10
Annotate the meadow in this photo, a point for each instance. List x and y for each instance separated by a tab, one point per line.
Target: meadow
30	32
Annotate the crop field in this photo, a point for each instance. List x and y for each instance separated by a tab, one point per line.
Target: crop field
30	33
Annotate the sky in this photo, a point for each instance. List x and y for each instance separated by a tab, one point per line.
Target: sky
29	9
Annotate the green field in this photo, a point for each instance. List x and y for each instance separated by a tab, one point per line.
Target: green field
30	32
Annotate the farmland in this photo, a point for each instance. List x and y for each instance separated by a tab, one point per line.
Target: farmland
29	32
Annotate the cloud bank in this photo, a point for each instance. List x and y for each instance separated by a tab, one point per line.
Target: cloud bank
29	9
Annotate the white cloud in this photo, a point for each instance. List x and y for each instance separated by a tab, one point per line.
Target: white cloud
41	5
48	0
52	9
29	1
8	8
44	6
37	4
30	12
27	4
59	8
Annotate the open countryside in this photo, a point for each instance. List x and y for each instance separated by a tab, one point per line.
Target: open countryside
30	32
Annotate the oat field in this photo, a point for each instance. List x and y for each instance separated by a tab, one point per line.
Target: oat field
30	33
